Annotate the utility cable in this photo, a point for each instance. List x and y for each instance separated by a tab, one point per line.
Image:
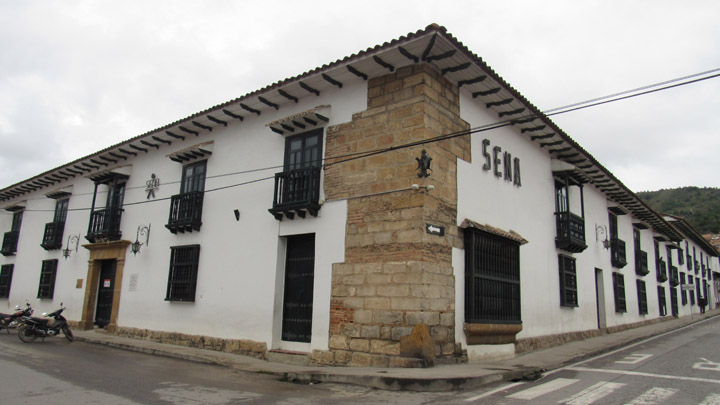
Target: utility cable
644	90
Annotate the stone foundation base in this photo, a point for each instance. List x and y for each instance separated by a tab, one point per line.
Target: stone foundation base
236	346
543	342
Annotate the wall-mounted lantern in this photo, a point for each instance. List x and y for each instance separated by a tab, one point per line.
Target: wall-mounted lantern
601	230
142	230
72	239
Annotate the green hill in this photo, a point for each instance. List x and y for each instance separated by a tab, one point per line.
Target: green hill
699	206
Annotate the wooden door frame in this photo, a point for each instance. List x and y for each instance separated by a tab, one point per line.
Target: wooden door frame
115	250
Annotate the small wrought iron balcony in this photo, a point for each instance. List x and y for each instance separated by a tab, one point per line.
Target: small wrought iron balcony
617	253
697	266
104	225
52	239
661	269
186	212
570	232
10	241
641	263
296	192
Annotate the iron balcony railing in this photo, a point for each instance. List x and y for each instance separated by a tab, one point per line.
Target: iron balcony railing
296	192
186	212
10	241
52	239
618	253
570	232
104	225
661	269
641	263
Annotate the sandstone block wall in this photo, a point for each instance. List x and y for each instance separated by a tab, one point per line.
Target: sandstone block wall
395	274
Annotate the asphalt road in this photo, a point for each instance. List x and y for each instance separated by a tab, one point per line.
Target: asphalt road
59	372
680	367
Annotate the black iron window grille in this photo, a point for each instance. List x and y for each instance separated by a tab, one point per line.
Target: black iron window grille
683	293
297	187
10	239
6	272
492	278
674	276
619	289
182	279
674	301
47	279
618	253
186	207
681	257
662	303
52	238
691	293
661	271
570	227
568	281
641	259
642	297
105	223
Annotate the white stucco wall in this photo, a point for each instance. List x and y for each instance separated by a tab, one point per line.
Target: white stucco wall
529	211
241	266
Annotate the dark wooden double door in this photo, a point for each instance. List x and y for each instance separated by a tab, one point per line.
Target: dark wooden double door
105	295
298	296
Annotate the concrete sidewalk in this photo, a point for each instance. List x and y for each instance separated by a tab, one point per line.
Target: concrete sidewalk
438	378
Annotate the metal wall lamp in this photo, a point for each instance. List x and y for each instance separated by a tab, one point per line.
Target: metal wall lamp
599	231
142	230
71	239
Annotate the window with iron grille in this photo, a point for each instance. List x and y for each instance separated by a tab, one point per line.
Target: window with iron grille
182	279
681	257
186	208
568	281
619	289
492	278
47	279
6	272
662	304
642	297
683	293
52	238
691	293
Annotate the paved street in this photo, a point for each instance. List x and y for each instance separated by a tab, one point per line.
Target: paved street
681	367
59	372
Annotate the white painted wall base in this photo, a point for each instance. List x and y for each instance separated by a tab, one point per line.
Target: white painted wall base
484	353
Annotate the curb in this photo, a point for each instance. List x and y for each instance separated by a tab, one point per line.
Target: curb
388	382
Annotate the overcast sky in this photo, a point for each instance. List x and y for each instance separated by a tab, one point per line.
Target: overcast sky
79	76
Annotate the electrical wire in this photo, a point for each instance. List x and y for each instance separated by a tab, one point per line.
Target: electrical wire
644	90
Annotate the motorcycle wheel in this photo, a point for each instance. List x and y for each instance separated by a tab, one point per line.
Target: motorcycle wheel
26	334
68	333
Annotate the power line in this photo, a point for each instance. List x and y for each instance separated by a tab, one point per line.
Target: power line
644	90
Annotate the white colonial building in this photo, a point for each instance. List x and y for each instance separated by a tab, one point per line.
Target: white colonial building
400	206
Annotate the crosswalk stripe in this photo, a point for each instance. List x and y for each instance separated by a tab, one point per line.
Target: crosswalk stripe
653	396
541	389
712	399
592	393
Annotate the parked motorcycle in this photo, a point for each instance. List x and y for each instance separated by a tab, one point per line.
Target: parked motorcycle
9	321
32	328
